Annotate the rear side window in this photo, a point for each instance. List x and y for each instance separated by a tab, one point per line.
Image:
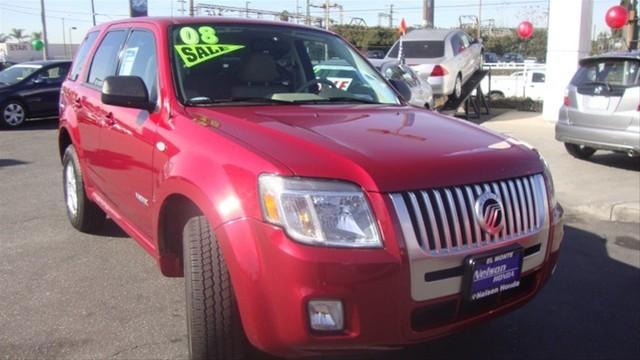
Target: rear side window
538	77
106	57
615	72
419	49
139	59
86	45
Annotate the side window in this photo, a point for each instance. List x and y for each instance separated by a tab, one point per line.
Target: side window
106	57
86	45
456	44
465	40
139	59
54	74
538	77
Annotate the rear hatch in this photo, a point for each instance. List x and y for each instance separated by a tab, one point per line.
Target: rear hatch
605	93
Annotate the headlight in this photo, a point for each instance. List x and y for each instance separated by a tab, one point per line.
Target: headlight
316	212
549	181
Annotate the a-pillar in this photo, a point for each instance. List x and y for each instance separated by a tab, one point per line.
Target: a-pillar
569	40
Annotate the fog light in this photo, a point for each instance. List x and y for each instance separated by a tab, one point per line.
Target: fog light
326	315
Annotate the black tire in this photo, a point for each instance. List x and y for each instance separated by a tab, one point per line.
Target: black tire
213	320
496	95
85	215
579	151
457	87
13	114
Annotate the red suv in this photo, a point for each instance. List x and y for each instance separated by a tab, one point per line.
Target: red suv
305	218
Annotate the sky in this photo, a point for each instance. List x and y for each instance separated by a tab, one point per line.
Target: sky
72	18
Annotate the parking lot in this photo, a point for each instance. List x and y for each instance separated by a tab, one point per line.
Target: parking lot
64	294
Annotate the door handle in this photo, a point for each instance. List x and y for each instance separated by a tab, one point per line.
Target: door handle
108	119
77	102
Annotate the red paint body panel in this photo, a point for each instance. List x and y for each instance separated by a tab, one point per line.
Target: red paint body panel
214	156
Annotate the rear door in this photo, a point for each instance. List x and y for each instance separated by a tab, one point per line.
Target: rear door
45	93
604	93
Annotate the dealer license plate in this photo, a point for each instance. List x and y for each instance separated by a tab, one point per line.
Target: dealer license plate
491	273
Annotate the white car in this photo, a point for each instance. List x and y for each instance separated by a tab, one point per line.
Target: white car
447	57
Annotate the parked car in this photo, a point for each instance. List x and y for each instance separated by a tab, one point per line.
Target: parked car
528	83
512	58
447	57
601	108
421	92
491	57
31	90
375	54
292	210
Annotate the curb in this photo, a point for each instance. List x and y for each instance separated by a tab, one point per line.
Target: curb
628	212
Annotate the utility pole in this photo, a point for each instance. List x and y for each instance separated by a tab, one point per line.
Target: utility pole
45	52
391	15
246	8
326	14
182	7
307	19
93	12
634	28
190	7
427	14
479	35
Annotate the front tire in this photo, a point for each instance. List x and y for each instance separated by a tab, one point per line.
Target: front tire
83	213
213	320
579	151
13	113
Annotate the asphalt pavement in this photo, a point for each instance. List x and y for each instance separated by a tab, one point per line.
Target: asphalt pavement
67	295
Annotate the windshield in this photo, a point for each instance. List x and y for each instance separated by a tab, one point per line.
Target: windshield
220	64
419	49
17	73
620	73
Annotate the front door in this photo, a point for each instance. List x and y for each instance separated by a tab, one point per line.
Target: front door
128	137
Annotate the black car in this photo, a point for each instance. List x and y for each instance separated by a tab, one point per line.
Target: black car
491	57
512	58
31	90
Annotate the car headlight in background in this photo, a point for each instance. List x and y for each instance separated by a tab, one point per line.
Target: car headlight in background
319	212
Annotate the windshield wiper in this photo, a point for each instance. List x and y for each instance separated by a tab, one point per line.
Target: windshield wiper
204	101
351	99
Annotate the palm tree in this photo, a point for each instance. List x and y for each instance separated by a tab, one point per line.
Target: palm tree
18	34
4	37
36	35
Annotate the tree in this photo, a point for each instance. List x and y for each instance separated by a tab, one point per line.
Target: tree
284	16
36	35
365	38
4	37
18	34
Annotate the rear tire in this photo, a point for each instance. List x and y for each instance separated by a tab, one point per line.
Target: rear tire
213	320
83	213
579	151
457	87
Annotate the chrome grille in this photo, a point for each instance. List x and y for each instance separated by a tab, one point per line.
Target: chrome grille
443	219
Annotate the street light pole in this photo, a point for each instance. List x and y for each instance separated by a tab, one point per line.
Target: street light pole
71	41
93	14
479	35
246	7
64	40
45	52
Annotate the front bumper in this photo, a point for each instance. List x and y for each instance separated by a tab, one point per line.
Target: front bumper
274	277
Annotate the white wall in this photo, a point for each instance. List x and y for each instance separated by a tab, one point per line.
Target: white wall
569	40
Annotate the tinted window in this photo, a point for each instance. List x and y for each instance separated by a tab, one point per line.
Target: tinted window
538	78
54	74
617	72
106	57
139	59
456	44
419	49
82	54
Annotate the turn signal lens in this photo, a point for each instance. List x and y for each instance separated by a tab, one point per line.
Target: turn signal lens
566	101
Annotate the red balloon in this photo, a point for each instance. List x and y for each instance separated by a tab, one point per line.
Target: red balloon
525	30
617	16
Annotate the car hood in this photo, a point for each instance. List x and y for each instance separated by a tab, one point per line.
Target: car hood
382	148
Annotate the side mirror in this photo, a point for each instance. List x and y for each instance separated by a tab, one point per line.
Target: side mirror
38	80
402	88
126	91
